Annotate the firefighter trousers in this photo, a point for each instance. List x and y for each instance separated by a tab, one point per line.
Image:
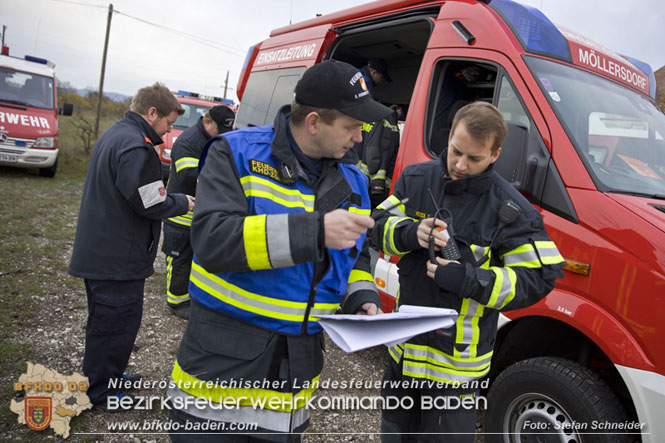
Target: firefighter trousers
429	414
178	250
114	317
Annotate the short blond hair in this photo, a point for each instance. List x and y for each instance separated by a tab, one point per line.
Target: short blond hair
157	96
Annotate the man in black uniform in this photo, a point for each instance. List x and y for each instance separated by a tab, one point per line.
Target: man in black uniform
504	265
182	179
118	231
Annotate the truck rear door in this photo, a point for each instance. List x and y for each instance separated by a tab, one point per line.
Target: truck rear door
278	66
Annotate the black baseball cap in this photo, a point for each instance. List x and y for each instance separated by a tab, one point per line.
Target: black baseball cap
223	116
379	65
338	85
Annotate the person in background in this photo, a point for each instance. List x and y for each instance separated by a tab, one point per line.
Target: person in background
506	262
184	173
279	237
378	149
118	231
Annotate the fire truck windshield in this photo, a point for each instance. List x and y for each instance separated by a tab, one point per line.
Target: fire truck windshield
26	89
191	115
618	133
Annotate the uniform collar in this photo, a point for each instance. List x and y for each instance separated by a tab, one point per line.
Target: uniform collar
202	129
475	184
281	145
149	134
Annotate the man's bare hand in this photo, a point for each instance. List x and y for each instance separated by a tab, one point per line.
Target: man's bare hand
191	200
424	228
343	228
369	309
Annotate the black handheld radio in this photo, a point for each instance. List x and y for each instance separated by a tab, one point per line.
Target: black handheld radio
450	251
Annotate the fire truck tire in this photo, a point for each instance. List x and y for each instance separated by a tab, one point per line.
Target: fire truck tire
50	171
549	399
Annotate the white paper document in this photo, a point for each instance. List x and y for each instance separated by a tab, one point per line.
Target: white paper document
355	332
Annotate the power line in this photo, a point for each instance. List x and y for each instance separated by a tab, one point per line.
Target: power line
80	4
193	37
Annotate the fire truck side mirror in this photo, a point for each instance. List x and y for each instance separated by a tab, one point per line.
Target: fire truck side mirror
67	109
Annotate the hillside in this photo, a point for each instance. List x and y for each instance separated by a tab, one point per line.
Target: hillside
660	87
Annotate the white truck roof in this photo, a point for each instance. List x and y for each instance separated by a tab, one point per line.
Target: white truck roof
20	64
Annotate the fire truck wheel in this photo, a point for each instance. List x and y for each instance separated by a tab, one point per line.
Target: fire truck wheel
50	171
549	399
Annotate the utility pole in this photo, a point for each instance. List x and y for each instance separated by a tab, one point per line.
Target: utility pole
101	78
226	82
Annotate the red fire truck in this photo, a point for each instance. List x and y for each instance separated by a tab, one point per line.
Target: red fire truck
195	106
586	146
29	113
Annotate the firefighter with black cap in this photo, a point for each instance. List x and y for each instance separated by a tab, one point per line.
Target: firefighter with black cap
184	172
279	239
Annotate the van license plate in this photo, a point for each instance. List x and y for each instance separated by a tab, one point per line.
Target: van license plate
9	158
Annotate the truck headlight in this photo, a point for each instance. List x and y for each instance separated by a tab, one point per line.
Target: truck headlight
46	142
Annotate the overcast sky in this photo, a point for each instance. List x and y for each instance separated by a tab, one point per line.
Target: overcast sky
71	34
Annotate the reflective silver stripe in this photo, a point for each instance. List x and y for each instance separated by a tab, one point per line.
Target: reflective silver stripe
253	302
255	187
277	234
186	162
549	254
478	251
423	353
521	257
423	370
380	175
359	286
389	232
466	324
506	292
268	419
397	210
185	220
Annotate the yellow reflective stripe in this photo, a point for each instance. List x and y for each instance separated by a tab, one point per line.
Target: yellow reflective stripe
186	162
245	396
467	330
503	291
399	210
380	175
363	168
255	303
360	211
549	254
358	275
432	355
437	373
396	352
287	197
526	256
256	246
367	127
185	219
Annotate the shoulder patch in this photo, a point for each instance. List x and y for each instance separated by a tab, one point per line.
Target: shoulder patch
265	169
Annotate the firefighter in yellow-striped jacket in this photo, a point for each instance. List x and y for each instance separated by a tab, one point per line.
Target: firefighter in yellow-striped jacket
507	262
280	238
184	172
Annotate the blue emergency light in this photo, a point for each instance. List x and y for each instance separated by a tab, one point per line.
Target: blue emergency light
644	67
32	58
536	33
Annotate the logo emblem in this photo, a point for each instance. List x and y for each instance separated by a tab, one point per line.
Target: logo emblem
38	412
3	137
363	84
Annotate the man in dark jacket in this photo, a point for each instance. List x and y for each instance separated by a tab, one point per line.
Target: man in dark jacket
118	232
185	157
503	264
279	238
